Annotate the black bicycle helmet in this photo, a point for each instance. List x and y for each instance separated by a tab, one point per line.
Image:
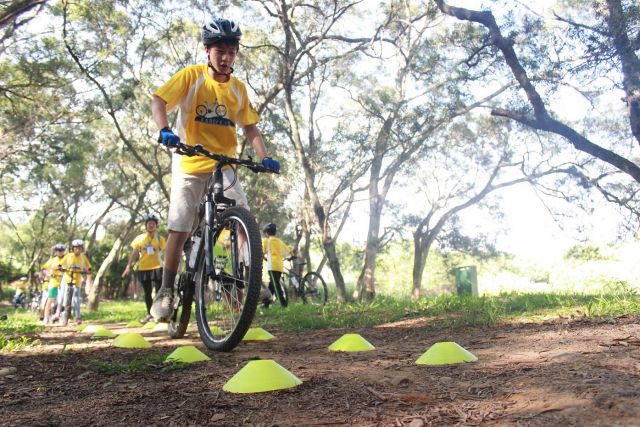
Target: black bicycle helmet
151	217
220	29
58	247
270	229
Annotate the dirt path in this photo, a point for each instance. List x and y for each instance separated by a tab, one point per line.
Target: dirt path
557	373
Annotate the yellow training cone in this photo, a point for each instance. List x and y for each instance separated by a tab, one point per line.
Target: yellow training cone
133	324
257	334
445	353
81	327
90	329
103	332
131	340
187	354
215	330
150	325
259	376
351	342
161	327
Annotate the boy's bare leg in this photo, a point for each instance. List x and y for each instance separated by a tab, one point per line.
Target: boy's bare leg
162	308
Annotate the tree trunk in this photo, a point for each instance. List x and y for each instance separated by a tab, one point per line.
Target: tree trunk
94	294
419	262
367	277
334	264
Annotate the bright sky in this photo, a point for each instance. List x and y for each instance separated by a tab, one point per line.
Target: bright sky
528	229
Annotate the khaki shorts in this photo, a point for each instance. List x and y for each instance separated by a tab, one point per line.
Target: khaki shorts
187	191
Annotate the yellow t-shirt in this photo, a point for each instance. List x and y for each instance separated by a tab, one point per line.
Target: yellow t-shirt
75	265
276	251
55	275
209	112
149	248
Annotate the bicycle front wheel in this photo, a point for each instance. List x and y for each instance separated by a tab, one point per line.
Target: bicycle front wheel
68	297
226	301
314	289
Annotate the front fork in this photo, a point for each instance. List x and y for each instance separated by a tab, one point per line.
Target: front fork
210	224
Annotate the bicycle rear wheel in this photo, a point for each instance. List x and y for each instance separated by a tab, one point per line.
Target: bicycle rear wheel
184	288
314	289
227	301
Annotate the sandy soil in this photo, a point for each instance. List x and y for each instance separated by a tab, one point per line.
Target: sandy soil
563	372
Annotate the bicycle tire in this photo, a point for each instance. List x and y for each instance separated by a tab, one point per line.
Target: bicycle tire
183	302
227	302
314	289
66	314
281	292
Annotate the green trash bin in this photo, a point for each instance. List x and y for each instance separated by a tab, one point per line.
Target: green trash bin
466	280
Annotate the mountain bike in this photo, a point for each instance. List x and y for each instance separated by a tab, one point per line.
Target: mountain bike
222	263
68	296
311	288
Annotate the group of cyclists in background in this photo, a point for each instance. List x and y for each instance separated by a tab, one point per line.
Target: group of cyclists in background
74	269
63	276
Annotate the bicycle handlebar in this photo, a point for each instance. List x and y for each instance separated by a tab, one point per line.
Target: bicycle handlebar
198	150
74	270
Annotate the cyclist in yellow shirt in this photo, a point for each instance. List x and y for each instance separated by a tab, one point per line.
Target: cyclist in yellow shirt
75	265
147	248
53	271
20	297
211	102
275	252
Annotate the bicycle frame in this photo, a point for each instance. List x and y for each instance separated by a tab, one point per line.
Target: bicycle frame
214	203
215	276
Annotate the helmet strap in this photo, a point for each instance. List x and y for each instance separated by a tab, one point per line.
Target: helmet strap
218	73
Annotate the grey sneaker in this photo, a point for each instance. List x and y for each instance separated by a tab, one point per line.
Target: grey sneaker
162	308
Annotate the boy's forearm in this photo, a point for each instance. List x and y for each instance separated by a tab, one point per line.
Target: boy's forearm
255	137
159	112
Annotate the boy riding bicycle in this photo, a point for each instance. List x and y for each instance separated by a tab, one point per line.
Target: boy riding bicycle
53	271
211	102
75	264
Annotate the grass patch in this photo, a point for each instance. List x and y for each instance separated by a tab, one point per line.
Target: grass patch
443	311
454	311
116	311
152	362
15	330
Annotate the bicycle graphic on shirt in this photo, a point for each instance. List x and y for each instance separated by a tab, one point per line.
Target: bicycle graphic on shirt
215	110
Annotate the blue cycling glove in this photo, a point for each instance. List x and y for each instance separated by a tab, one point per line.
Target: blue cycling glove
168	138
270	164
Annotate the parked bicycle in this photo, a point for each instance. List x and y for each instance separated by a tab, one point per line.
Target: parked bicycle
222	263
311	288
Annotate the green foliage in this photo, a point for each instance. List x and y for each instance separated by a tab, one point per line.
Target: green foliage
16	332
585	252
